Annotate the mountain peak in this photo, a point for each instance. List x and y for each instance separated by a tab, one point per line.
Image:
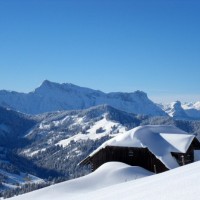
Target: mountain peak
141	93
175	110
47	83
176	105
67	87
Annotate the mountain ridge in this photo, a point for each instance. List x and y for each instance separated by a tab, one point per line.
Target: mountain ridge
50	96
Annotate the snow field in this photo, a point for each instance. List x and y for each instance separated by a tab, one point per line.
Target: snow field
108	174
178	184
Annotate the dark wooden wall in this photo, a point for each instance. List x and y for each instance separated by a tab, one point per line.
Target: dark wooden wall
133	156
139	157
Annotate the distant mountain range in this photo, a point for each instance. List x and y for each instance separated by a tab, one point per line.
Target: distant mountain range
187	111
50	97
53	97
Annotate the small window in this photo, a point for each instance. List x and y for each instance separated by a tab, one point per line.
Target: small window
130	153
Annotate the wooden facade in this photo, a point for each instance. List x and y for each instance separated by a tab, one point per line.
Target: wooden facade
188	157
139	157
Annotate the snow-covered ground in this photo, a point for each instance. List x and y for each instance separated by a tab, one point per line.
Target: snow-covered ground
111	182
107	175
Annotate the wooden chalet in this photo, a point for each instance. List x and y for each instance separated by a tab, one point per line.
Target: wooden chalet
135	149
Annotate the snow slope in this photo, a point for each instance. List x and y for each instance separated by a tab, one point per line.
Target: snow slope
108	174
105	129
53	97
179	184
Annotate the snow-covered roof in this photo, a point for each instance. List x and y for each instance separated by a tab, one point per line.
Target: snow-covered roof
160	140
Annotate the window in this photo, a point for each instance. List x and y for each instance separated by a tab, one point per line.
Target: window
130	153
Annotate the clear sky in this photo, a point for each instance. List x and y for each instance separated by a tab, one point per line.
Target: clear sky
110	45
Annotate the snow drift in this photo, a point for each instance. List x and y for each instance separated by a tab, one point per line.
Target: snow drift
181	184
108	174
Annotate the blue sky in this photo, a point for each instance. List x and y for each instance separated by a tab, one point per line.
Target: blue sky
111	45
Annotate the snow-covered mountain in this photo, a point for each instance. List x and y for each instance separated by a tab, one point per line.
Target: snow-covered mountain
175	110
192	109
188	111
90	124
53	97
195	105
181	184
